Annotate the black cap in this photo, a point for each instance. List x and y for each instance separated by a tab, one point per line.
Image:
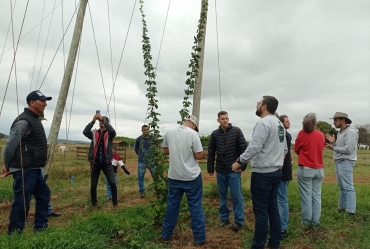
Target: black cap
36	95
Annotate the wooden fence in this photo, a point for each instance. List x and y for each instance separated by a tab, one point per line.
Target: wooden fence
82	152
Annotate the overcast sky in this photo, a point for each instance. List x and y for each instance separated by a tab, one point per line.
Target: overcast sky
313	56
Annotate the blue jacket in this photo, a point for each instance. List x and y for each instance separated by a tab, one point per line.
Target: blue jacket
142	146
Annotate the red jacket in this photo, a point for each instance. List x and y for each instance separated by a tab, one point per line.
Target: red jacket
116	156
309	147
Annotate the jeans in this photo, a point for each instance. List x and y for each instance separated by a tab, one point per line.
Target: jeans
141	170
194	192
109	191
50	207
283	205
109	174
232	179
264	188
309	183
34	184
347	196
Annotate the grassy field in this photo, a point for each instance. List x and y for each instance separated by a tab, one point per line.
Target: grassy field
131	225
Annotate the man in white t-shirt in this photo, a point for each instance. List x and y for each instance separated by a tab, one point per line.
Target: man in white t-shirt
183	145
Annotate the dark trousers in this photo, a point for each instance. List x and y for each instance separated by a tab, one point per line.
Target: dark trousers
108	172
264	188
34	184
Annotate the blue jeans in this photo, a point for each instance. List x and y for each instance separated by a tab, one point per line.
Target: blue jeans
309	183
141	170
283	205
264	188
232	179
194	192
109	191
34	184
347	196
50	207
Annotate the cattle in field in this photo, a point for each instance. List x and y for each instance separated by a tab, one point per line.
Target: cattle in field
63	149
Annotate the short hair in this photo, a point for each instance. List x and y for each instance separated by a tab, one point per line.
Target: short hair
114	147
144	126
106	118
271	103
220	113
309	122
282	118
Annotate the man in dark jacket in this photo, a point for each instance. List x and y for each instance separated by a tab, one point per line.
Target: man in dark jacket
286	177
24	157
228	143
100	155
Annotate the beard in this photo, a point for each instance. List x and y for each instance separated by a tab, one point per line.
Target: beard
259	112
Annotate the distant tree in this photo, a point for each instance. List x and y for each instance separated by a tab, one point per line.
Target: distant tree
129	141
326	128
2	135
205	140
363	134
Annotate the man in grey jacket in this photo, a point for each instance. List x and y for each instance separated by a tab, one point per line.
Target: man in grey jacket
266	152
345	156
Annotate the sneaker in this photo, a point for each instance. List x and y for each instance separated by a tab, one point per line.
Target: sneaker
54	214
142	195
236	227
341	210
203	242
284	235
224	223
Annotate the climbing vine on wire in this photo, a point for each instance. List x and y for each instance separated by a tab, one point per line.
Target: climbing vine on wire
155	158
194	63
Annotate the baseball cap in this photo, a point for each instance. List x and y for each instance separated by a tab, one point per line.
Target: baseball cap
194	120
36	95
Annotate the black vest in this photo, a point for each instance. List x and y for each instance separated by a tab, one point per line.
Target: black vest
34	146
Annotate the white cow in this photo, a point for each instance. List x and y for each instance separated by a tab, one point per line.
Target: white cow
63	149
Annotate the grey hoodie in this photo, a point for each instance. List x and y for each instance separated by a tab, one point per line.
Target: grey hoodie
267	147
345	148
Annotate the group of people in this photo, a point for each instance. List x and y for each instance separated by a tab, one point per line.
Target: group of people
271	162
228	154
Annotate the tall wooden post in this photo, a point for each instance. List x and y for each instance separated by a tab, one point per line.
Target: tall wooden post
198	85
63	93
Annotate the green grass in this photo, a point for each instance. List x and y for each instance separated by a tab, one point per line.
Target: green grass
131	225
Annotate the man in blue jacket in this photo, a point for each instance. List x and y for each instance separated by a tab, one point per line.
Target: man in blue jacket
142	146
228	143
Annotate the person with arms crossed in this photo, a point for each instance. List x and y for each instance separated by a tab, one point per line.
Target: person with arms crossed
266	152
345	156
183	145
228	143
25	156
142	147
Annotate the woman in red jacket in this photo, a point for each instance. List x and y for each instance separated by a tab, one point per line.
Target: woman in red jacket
309	146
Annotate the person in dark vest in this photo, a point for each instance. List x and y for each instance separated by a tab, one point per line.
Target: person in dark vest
25	156
101	156
286	177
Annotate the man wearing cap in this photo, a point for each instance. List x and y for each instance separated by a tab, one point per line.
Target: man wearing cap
183	145
228	143
345	156
25	156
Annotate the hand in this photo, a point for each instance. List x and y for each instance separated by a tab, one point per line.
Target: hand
292	161
236	167
5	173
211	174
329	146
97	117
330	138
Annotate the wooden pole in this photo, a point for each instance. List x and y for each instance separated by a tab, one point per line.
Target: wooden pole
63	93
198	86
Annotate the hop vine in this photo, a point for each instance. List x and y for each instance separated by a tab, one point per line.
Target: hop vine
194	63
155	158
